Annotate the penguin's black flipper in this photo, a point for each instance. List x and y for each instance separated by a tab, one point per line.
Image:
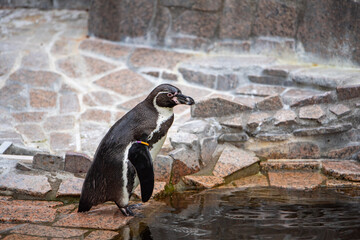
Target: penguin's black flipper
140	157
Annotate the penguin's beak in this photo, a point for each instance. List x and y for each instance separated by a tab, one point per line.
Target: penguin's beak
182	99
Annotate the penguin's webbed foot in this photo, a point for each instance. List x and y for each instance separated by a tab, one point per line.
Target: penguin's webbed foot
126	211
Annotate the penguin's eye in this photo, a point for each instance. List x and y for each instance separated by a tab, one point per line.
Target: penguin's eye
170	95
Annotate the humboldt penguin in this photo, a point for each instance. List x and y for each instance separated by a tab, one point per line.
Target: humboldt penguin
124	156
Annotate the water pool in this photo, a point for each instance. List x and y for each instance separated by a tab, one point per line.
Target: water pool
256	213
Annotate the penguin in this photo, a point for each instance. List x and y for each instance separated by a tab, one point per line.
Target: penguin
124	156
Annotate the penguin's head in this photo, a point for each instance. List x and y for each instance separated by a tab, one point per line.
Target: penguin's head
166	95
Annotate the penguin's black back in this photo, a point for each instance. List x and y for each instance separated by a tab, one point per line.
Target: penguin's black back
103	181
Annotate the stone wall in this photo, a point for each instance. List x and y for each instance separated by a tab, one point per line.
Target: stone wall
327	28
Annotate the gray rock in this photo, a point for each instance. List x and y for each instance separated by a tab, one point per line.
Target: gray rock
313	112
284	117
323	130
234	122
48	162
227	82
4	146
233	160
181	139
187	156
273	137
70	187
324	77
340	110
202	78
25	184
195	127
348	92
207	148
19	150
77	162
257	119
267	80
233	137
23	167
303	97
270	103
186	162
162	168
70	4
217	107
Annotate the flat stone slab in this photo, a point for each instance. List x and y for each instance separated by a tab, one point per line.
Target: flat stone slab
21	236
48	162
232	160
25	184
296	180
281	70
105	217
291	164
70	187
101	235
273	137
270	80
270	103
257	180
256	119
233	137
235	122
313	112
345	152
323	130
303	97
293	150
342	183
28	211
342	169
47	231
348	92
6	226
325	77
203	181
216	107
249	101
233	63
340	110
285	117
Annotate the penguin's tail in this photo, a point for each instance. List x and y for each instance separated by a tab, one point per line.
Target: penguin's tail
84	205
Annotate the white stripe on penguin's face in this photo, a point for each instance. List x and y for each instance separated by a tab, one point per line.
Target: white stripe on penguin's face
165	114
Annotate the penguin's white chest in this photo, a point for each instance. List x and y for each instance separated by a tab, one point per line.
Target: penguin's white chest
164	114
157	147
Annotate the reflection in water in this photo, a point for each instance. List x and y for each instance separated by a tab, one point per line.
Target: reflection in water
144	231
253	214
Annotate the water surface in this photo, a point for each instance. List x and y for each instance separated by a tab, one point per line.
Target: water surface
260	213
